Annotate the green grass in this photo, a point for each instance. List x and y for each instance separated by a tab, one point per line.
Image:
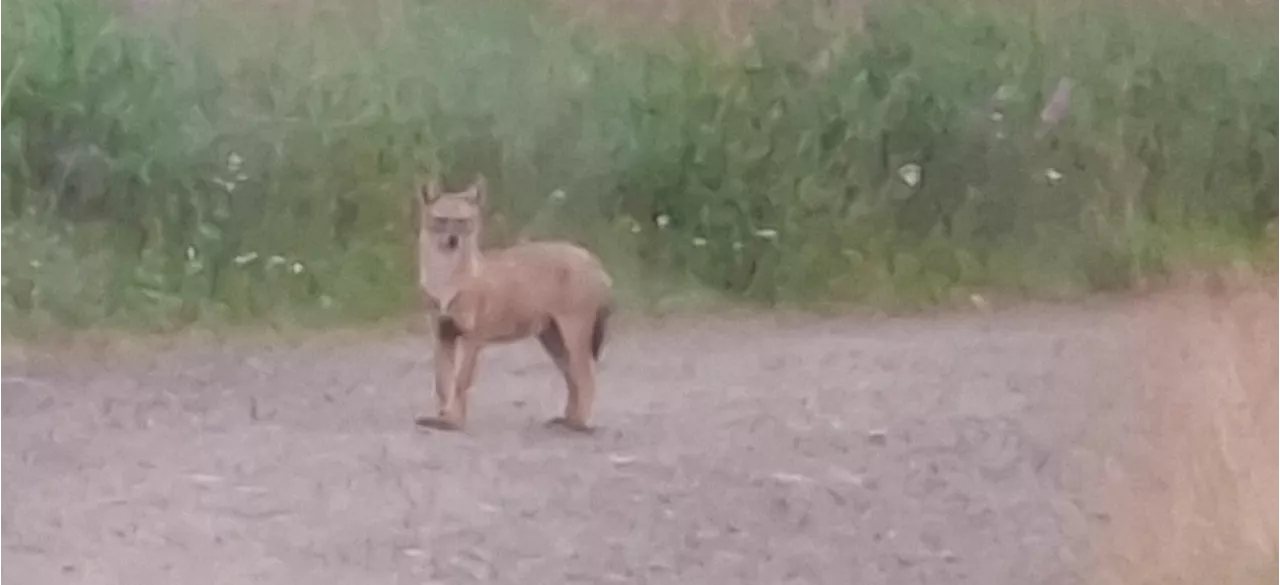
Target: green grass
238	163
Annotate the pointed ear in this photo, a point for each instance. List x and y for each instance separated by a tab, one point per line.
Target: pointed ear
428	189
479	190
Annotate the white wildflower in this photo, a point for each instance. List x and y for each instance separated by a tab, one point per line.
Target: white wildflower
297	268
276	261
191	254
767	233
241	177
1053	175
243	259
557	195
996	116
699	242
35	263
1006	93
910	174
635	228
663	221
737	246
233	162
227	186
581	76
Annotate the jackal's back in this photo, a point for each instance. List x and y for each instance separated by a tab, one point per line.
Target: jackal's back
549	277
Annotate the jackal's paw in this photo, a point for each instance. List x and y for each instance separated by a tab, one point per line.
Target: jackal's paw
573	425
437	423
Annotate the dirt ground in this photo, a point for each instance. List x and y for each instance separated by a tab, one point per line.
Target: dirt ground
955	449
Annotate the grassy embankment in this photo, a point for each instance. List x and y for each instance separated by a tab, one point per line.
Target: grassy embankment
236	162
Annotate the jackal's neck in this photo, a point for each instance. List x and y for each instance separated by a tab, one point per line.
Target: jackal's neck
467	263
441	274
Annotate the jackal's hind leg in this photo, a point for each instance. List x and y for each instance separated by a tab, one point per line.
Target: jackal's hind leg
553	342
578	368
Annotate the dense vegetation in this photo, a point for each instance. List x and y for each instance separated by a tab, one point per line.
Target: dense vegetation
192	161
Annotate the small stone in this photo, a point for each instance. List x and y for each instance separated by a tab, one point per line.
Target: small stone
618	459
205	478
790	478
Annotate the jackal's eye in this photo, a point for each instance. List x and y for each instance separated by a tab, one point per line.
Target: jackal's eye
439	224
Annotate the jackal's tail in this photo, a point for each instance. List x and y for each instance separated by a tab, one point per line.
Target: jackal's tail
599	329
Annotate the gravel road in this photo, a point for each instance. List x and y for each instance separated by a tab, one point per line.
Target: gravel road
955	449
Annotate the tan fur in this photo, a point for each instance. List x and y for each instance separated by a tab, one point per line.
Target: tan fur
555	291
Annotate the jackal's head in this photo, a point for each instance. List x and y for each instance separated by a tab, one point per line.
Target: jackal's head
450	222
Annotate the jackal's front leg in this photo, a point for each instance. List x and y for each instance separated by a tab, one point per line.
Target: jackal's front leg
444	362
464	376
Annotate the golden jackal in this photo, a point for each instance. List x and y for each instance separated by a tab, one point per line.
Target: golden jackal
556	291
